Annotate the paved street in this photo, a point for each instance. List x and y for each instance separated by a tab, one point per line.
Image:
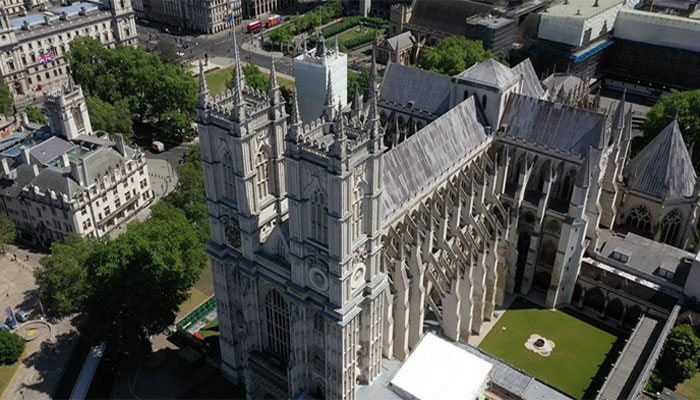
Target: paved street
42	364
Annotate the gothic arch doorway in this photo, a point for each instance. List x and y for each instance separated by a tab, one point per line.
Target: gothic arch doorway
542	280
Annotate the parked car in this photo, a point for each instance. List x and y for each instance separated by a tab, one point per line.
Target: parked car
12	323
21	316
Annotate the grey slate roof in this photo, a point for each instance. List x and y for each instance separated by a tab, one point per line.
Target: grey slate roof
422	158
402	40
490	73
428	91
13	187
556	82
56	179
449	16
551	124
531	84
663	167
50	149
99	162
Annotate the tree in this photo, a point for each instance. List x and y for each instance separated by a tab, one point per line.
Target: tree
687	106
282	35
454	54
36	116
6	99
167	52
156	93
359	80
189	196
138	281
7	231
110	118
11	347
254	78
679	357
62	277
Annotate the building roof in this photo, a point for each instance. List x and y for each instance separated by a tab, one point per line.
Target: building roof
57	180
448	16
490	73
437	369
100	162
557	81
647	256
551	124
531	84
423	158
582	9
663	169
429	91
50	149
37	18
402	40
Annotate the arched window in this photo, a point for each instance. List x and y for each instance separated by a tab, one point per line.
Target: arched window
568	186
319	220
466	95
671	227
357	213
640	218
229	180
483	101
281	248
263	174
548	253
277	324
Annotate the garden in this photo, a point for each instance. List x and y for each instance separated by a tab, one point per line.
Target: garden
577	349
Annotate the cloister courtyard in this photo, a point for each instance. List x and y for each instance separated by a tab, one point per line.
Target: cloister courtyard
582	351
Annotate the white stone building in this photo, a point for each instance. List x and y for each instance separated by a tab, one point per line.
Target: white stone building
24	39
19	6
74	181
328	248
204	16
314	71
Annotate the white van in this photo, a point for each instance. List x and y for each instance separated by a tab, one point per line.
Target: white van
157	146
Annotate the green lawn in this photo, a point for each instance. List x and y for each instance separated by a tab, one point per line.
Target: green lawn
210	329
6	374
690	388
579	351
216	80
352	33
196	298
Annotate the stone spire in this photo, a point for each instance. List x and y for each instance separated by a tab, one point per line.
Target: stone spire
356	103
239	81
320	45
203	88
619	121
373	117
295	121
329	105
274	91
339	146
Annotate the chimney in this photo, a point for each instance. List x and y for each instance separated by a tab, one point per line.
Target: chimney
35	170
76	173
25	155
65	160
5	167
120	144
24	118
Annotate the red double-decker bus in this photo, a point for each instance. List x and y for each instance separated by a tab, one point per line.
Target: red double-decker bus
255	27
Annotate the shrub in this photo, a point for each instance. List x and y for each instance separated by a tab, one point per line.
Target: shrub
11	347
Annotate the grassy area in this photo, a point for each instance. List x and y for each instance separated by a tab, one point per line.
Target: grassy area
216	79
210	329
579	351
6	374
196	298
690	388
353	33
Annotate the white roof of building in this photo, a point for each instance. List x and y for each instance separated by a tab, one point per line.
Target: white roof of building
490	73
437	369
582	8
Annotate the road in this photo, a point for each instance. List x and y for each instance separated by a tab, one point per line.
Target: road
195	47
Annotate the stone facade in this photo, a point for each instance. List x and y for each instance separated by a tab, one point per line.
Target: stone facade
23	41
203	16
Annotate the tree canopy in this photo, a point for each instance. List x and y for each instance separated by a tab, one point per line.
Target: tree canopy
687	106
35	115
7	231
11	347
679	358
189	195
6	99
156	93
454	54
257	80
110	118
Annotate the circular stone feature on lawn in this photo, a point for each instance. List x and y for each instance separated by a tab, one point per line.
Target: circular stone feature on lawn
33	330
539	345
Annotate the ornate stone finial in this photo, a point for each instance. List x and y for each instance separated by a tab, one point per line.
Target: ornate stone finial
329	105
274	90
295	120
203	88
339	146
239	82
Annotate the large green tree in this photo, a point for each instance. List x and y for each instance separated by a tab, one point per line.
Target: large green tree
454	54
679	358
138	281
35	115
254	78
7	231
157	93
11	347
6	99
189	195
62	277
110	118
687	106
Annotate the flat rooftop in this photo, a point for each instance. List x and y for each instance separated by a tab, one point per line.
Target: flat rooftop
53	13
581	8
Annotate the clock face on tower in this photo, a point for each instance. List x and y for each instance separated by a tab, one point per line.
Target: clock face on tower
233	235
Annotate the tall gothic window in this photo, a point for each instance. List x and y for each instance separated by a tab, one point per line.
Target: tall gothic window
229	180
262	169
357	214
277	324
319	220
548	253
671	227
640	218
